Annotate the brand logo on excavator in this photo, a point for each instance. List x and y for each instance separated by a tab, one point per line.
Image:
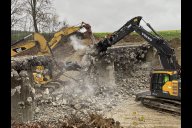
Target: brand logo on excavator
146	36
135	20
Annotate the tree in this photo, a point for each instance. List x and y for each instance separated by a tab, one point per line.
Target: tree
35	15
39	12
16	12
55	23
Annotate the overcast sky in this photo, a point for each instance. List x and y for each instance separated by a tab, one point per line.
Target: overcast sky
110	15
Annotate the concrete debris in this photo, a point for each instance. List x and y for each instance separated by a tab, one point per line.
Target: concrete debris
58	97
14	73
29	99
72	66
18	89
92	121
37	85
104	82
46	92
13	91
131	71
23	73
33	90
22	94
37	110
21	104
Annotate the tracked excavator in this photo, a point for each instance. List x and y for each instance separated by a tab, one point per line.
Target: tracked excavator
44	47
23	46
165	85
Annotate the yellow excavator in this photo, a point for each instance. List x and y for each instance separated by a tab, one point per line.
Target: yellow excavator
44	48
165	85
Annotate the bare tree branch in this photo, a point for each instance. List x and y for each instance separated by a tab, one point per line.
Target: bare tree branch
34	14
16	12
40	12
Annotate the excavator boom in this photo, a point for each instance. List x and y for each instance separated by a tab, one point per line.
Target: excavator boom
166	53
63	32
126	29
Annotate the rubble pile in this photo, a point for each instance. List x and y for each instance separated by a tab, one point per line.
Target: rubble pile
27	62
93	121
75	99
22	85
95	91
131	69
22	96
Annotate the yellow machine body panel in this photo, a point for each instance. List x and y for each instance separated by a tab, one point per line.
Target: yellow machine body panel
171	87
165	83
42	43
39	68
165	72
39	77
63	32
21	48
38	40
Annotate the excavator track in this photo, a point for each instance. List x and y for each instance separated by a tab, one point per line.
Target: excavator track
165	105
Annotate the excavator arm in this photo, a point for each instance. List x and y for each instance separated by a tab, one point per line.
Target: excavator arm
63	32
67	32
117	35
166	53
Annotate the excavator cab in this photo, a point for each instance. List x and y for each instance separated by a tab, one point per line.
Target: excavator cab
165	84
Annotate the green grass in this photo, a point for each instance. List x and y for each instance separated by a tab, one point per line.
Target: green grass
170	34
20	35
100	34
167	34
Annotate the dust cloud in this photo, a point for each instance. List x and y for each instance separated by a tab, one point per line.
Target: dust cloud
77	43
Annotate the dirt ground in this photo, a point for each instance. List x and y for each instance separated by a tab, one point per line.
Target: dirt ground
134	114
